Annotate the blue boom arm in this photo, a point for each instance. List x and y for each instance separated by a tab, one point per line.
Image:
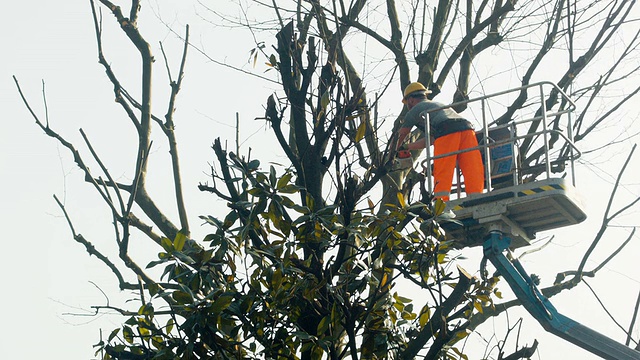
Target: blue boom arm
542	309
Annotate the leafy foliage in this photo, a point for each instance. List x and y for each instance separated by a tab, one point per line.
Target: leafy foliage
233	299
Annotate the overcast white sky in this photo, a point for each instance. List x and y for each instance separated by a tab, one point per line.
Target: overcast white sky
48	290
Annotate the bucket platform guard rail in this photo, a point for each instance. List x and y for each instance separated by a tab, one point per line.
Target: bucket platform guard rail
523	198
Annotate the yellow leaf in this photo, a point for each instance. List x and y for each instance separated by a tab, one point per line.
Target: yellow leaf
178	242
371	206
408	315
166	244
401	199
462	334
439	206
361	131
144	331
424	317
478	306
385	278
398	306
460	354
169	327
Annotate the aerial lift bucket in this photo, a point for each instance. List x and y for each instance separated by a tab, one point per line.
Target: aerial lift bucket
519	202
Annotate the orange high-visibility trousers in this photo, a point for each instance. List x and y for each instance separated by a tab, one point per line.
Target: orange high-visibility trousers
470	163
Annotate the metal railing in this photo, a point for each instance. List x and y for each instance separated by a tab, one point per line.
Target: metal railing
538	139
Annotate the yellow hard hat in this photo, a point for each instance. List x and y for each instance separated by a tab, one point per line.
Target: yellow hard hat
414	87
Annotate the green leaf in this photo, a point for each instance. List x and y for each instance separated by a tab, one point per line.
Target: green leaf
222	302
169	326
272	176
310	202
164	257
276	279
323	325
253	165
113	334
229	220
127	333
289	189
157	342
146	309
154	288
131	321
257	192
317	353
283	181
303	335
324	101
182	297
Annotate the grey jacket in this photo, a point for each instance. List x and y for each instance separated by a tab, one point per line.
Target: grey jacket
442	122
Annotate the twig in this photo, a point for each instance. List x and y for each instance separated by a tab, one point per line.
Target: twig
438	318
90	247
606	218
606	310
633	321
106	172
168	128
120	93
592	273
76	155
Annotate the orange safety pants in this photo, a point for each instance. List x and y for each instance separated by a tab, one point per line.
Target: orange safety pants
470	163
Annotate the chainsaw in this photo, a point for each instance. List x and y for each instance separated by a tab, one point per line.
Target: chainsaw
403	160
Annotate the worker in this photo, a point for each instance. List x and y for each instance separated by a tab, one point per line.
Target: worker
449	132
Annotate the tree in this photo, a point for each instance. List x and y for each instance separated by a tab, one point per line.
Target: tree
305	261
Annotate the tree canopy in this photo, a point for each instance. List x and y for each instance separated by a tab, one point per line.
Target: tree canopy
322	256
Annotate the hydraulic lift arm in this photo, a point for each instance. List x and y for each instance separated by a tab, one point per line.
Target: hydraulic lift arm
542	309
